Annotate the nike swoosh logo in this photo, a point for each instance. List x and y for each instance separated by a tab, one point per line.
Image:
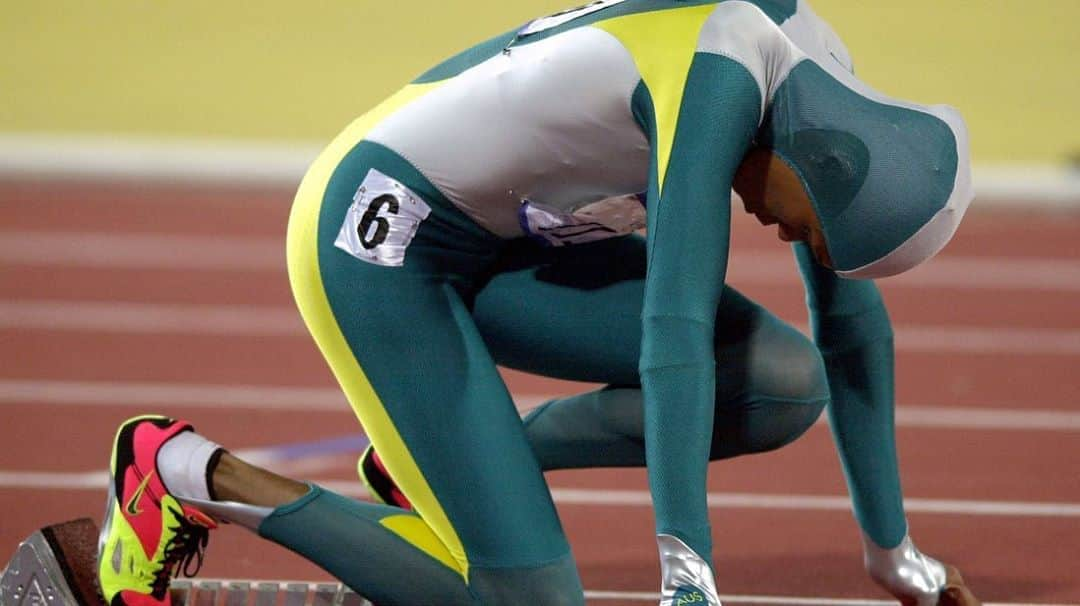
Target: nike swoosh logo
132	506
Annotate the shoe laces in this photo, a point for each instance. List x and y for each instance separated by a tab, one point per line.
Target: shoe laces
183	554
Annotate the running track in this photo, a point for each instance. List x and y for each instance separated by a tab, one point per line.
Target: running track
117	299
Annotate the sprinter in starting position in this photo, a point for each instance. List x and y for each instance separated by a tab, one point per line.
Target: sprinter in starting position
486	214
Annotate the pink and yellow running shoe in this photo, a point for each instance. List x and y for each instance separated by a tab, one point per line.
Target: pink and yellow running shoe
380	485
148	536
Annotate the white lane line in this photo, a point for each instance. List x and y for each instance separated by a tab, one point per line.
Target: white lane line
221	162
269	321
952	272
43	480
247	253
94	393
96	480
137	251
200	161
312	399
646	596
987	340
641	498
152	318
652	596
986	418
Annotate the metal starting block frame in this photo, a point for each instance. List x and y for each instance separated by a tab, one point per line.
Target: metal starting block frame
262	593
56	566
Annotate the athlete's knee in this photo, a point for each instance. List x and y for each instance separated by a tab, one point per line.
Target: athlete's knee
783	392
785	365
553	584
782	423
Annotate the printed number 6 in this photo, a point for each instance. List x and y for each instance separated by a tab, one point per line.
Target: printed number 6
382	224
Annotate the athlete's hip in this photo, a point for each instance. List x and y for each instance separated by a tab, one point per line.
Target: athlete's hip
370	207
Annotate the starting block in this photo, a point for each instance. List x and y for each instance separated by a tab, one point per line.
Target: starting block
56	566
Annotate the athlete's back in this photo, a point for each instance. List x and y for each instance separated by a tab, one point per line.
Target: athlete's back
548	121
546	113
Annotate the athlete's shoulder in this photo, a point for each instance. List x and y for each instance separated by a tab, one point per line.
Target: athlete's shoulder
658	20
549	26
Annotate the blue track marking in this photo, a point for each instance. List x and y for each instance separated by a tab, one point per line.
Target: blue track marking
352	443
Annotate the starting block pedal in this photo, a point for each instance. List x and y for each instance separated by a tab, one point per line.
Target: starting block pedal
57	566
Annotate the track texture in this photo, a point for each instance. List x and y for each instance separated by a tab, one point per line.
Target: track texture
117	299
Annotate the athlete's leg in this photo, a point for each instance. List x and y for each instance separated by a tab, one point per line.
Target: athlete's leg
437	410
357	542
575	314
404	348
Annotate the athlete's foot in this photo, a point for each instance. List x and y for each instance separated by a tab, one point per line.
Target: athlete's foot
378	481
148	536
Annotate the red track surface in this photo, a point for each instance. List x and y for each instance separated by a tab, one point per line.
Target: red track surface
795	552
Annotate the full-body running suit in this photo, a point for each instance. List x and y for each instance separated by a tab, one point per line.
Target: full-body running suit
485	214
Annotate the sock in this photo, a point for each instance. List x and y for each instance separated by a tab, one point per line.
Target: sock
185	462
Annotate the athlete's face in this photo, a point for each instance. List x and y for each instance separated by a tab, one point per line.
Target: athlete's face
772	192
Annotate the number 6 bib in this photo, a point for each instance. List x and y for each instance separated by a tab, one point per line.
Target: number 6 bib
382	220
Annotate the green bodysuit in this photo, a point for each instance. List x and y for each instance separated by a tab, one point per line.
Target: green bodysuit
486	214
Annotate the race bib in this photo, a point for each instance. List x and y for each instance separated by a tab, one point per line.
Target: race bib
607	218
382	221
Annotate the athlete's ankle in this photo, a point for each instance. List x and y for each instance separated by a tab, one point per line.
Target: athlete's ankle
186	462
236	480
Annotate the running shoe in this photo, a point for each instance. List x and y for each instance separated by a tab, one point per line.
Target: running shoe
148	536
378	481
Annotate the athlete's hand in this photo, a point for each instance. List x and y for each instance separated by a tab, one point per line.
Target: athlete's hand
911	577
686	578
956	592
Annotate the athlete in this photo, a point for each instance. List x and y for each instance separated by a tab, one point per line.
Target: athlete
486	214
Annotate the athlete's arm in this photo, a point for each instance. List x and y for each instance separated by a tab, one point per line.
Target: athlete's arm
689	211
852	329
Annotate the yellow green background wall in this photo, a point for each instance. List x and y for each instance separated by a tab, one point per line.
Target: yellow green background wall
292	70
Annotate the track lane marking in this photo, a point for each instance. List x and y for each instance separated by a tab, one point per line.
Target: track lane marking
239	162
652	596
142	251
271	321
97	480
249	253
114	393
646	596
649	596
719	500
152	318
326	399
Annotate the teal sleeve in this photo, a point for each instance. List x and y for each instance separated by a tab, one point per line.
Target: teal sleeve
689	214
851	328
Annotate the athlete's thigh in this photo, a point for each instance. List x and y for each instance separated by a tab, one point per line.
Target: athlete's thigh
575	313
463	454
405	350
570	313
